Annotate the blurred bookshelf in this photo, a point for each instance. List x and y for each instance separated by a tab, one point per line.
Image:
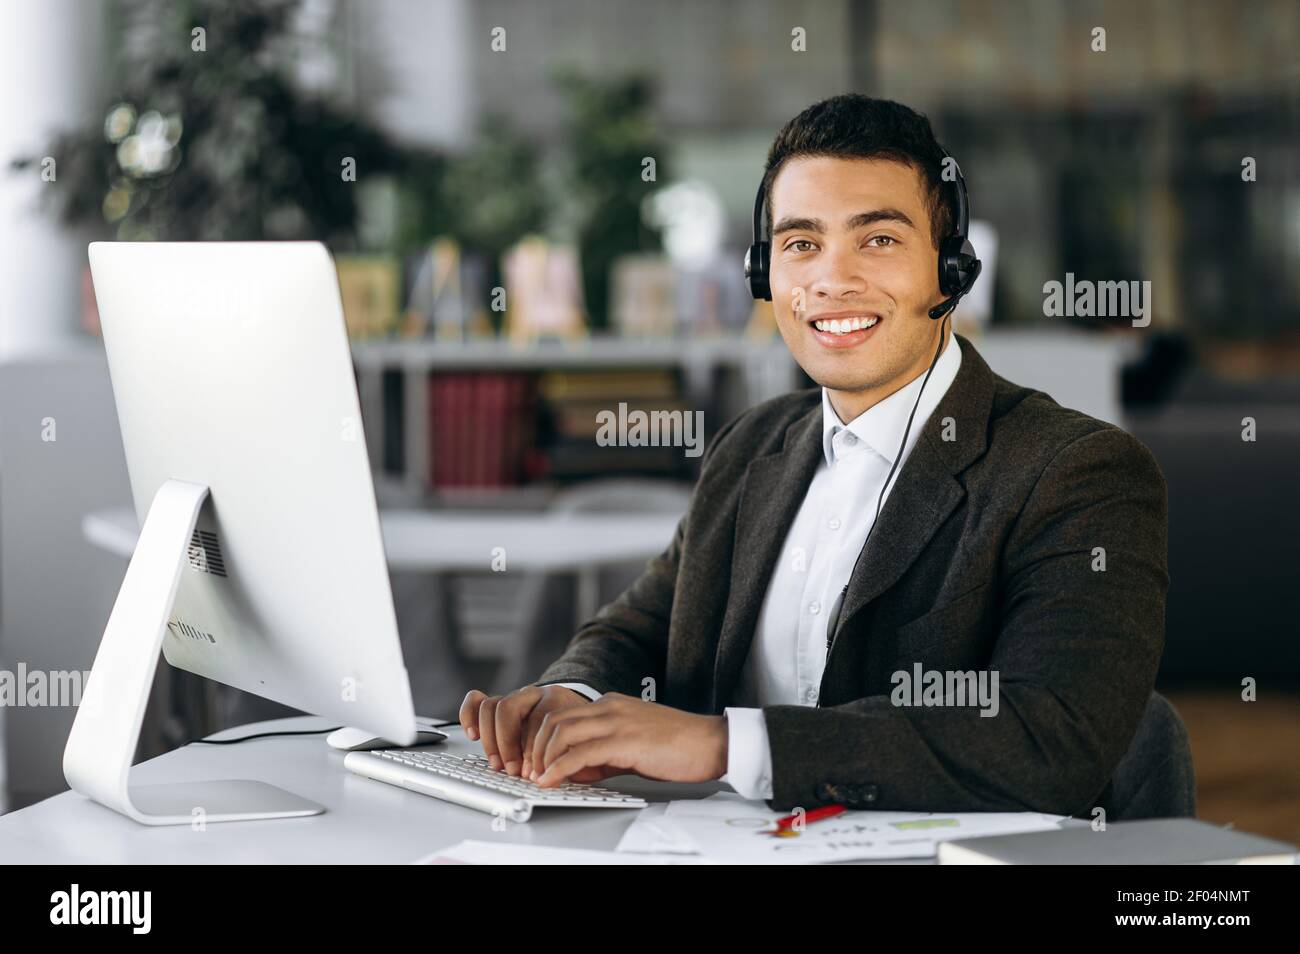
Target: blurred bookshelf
493	424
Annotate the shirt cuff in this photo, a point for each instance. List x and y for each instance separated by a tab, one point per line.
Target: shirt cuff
749	755
579	687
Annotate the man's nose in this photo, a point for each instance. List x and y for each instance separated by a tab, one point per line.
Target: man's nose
842	273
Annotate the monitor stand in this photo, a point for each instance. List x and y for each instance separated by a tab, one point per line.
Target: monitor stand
97	760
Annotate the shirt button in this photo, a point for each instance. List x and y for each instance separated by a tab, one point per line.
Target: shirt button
814	607
833	523
850	438
810	695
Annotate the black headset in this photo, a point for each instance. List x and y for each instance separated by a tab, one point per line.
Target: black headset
958	265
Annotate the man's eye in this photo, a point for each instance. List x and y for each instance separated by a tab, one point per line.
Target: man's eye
883	238
791	246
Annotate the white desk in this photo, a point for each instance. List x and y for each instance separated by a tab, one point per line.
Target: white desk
365	822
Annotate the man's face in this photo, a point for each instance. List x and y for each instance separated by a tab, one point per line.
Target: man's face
851	240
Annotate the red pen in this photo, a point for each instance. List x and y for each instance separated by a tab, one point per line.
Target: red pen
785	826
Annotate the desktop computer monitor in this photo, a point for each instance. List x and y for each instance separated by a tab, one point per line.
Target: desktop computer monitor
260	562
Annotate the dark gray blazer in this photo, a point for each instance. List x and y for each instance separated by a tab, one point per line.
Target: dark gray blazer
983	558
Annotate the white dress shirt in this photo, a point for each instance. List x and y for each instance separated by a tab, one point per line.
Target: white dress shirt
788	654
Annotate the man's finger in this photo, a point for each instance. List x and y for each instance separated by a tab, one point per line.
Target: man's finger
487	726
570	727
469	713
550	720
607	751
512	711
528	737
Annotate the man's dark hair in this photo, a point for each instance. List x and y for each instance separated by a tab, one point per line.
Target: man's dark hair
853	126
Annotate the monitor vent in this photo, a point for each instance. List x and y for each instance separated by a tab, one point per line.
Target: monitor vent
205	553
182	628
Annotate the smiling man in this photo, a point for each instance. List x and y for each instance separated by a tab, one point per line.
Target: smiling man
915	513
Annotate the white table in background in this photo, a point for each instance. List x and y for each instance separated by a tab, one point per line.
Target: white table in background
464	541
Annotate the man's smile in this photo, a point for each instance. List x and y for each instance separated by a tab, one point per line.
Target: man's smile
843	329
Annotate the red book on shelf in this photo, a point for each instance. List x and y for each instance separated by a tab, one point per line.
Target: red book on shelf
494	399
459	406
516	427
475	417
431	431
470	414
482	430
469	430
484	421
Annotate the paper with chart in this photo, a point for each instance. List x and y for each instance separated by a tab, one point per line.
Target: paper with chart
727	827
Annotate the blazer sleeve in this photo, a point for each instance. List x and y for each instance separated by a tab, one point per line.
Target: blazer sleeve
627	640
1076	657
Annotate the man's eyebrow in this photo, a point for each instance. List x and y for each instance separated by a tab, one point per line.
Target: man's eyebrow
793	224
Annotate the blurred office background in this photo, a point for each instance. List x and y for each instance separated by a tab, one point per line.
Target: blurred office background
598	160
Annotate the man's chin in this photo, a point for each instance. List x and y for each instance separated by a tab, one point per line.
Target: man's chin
839	381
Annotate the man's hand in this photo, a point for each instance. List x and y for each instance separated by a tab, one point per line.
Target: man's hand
619	734
507	724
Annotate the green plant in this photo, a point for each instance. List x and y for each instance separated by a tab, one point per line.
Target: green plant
214	143
486	198
611	132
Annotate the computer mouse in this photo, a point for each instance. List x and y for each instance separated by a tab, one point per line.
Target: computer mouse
349	739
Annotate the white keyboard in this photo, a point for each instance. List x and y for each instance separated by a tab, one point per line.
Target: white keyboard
468	780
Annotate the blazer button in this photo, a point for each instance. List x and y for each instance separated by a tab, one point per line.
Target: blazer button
865	796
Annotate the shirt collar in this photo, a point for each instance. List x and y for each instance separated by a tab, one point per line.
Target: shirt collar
880	427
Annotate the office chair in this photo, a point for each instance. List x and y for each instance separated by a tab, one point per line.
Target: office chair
1155	778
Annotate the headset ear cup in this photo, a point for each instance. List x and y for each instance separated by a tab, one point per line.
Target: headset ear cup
950	276
756	265
956	266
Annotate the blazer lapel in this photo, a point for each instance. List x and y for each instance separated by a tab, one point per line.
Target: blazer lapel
925	489
924	494
774	487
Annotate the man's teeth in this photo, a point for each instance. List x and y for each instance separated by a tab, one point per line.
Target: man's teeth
842	326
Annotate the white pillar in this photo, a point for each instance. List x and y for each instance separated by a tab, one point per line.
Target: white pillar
50	80
409	68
